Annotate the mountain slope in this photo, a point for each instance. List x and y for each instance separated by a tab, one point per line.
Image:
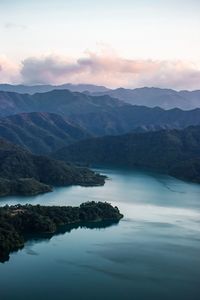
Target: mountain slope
40	132
171	151
21	172
62	102
67	103
13	103
124	119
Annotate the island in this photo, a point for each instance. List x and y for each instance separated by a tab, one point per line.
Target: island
18	221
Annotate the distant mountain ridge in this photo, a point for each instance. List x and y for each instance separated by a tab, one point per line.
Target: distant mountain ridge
152	97
146	96
43	88
175	152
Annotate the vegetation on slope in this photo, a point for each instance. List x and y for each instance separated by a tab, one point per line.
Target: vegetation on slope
176	152
23	173
40	133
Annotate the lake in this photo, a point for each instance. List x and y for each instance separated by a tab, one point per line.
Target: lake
153	253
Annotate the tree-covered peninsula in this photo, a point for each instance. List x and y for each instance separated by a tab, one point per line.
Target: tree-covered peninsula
23	173
16	222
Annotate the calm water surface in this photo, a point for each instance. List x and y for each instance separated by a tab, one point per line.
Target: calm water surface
153	253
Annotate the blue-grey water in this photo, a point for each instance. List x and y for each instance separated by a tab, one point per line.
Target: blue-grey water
153	253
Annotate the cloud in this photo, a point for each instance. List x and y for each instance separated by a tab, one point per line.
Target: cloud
109	69
51	69
98	69
9	71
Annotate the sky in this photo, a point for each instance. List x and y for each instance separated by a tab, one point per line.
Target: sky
125	43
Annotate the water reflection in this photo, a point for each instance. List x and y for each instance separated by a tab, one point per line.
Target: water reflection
38	238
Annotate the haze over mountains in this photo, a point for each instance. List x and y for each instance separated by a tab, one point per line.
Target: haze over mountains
32	89
150	97
93	115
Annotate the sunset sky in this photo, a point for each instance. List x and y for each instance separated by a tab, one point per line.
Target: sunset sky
114	43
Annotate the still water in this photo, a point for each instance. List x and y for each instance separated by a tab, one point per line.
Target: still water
153	253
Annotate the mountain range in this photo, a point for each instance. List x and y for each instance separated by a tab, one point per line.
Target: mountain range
152	97
95	115
130	135
32	89
147	96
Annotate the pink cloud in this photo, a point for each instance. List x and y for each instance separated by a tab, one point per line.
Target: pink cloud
106	69
112	71
9	71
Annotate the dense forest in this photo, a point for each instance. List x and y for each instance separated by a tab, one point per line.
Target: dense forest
175	152
40	133
18	221
23	173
